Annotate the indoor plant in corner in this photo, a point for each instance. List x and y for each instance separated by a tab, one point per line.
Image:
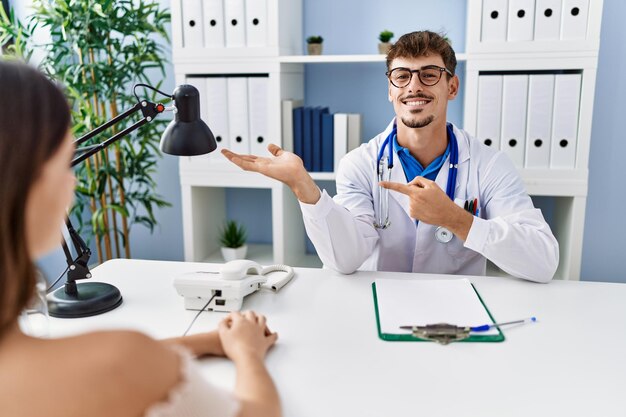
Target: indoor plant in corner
314	45
233	240
384	45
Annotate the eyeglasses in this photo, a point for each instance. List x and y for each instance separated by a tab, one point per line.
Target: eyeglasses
401	77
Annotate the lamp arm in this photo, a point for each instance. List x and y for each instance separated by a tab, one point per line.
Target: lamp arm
108	124
97	148
149	111
77	268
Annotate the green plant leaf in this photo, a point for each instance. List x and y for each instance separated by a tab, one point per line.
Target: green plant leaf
232	234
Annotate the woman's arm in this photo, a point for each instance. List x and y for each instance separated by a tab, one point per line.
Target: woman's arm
246	340
201	344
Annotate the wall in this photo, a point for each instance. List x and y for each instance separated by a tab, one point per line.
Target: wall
352	26
605	226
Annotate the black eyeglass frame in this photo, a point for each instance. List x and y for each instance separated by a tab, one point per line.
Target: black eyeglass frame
419	74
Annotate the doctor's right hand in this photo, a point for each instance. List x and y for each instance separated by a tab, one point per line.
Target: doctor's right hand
284	166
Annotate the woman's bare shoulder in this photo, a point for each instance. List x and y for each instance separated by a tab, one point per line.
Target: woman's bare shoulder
108	373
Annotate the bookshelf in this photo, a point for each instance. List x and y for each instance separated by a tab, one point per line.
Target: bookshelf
205	179
571	46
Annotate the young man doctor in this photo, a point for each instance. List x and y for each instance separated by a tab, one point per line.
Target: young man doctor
453	202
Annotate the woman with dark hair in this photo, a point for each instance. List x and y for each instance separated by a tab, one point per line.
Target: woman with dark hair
112	373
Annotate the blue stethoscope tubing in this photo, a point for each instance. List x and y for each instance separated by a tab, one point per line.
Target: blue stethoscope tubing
454	157
442	234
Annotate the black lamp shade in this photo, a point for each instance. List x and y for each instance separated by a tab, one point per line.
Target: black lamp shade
187	134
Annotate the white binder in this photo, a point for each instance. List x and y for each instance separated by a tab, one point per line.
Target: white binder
489	110
354	131
234	13
521	20
539	127
287	123
565	121
239	136
216	97
547	20
574	19
514	100
256	22
214	24
494	17
192	23
258	106
340	138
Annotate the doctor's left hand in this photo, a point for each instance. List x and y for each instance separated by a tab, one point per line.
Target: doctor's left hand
429	204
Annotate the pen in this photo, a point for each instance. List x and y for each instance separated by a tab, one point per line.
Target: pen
484	327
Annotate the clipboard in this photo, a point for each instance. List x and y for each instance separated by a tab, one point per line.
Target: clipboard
409	337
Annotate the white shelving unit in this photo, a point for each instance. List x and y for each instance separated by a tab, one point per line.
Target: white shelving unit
568	186
204	179
339	59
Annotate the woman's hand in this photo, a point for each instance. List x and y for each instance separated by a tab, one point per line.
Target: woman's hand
246	336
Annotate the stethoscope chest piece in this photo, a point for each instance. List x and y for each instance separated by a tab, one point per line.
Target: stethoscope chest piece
443	235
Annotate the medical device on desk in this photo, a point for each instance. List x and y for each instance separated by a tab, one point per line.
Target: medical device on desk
225	289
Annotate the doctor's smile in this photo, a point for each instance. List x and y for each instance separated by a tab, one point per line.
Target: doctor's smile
416	100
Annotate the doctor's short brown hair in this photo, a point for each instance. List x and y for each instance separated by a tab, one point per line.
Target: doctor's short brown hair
423	43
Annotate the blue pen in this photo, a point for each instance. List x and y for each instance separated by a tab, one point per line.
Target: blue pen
487	327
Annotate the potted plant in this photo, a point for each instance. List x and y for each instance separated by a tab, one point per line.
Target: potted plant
233	240
314	45
384	45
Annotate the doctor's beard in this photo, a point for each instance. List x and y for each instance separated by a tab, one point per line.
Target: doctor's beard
416	124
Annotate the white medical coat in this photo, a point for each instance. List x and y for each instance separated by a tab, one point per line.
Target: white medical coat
509	231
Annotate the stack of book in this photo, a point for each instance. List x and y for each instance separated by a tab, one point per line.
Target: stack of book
317	136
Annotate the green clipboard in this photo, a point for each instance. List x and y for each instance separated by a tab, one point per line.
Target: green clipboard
389	337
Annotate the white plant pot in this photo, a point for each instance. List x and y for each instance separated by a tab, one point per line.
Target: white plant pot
230	254
383	48
314	48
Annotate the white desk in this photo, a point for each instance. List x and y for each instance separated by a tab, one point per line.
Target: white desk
330	362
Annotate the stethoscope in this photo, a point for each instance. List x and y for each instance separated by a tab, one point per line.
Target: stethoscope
383	170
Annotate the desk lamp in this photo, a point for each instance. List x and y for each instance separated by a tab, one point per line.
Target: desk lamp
186	135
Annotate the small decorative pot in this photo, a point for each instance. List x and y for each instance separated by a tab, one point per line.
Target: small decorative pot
230	254
383	48
314	48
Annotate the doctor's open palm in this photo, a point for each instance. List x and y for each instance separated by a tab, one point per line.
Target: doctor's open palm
283	166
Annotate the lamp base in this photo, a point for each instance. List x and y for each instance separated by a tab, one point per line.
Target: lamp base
93	298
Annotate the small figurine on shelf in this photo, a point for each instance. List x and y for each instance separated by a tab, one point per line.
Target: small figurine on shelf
384	45
314	45
233	240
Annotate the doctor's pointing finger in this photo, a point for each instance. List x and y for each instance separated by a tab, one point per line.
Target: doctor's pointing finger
429	204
